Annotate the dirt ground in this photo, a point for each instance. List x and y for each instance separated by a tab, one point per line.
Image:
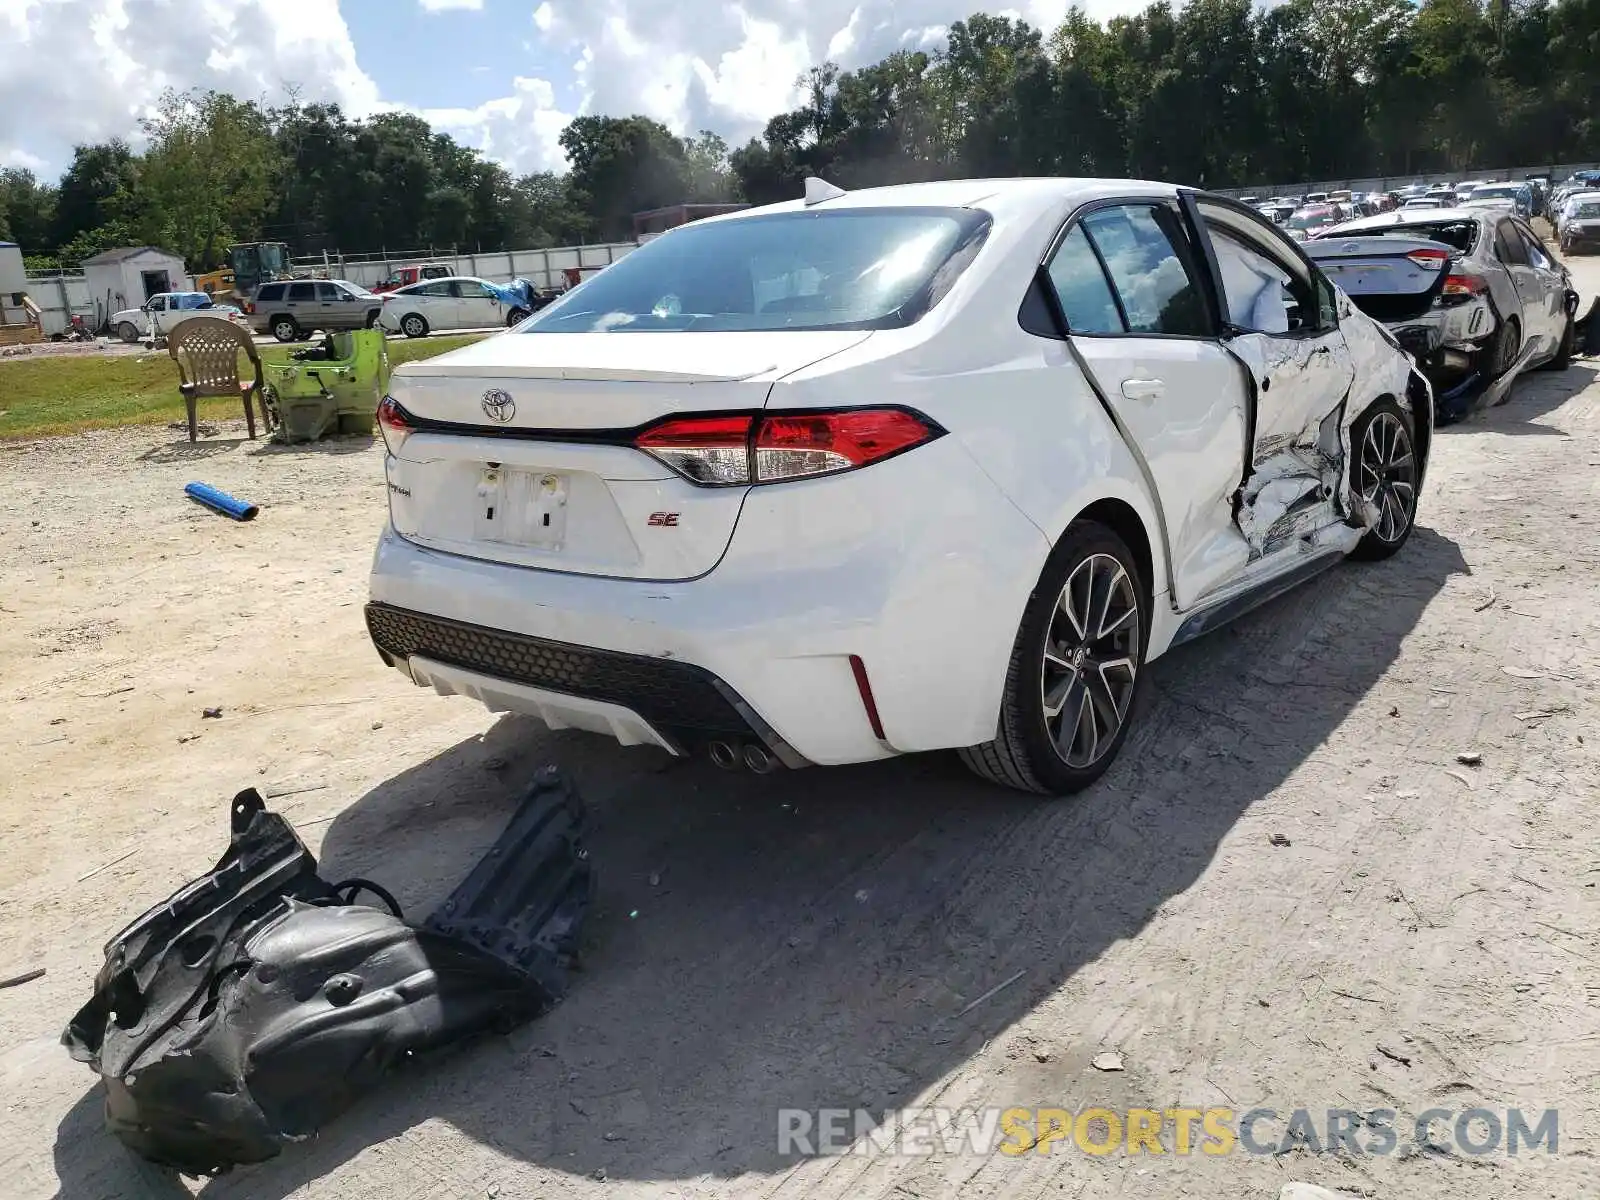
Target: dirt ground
881	936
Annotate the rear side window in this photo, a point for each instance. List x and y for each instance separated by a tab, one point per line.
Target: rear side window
301	291
1081	287
430	289
1139	244
435	272
1509	246
273	291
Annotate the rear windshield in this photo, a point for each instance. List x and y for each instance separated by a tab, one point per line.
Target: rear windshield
1311	220
872	268
1463	235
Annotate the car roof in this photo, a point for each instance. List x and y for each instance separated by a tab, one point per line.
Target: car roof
998	196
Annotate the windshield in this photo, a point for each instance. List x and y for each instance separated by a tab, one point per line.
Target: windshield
1489	193
1589	210
1460	234
856	268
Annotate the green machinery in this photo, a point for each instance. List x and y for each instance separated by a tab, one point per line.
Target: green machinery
331	388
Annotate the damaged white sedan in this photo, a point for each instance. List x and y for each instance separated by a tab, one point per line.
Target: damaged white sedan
940	465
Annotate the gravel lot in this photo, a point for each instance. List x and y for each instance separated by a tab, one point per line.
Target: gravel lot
820	938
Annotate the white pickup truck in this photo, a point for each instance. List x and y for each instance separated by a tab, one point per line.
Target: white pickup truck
164	312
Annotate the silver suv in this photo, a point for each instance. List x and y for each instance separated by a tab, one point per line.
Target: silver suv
291	310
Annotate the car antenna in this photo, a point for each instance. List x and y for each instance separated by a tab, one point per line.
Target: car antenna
818	190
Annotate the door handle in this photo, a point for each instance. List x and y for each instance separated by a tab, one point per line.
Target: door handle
1143	389
1322	350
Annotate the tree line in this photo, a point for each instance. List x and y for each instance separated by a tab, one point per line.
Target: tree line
1216	93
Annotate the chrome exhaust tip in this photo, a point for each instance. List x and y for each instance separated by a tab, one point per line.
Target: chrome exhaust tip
758	760
724	756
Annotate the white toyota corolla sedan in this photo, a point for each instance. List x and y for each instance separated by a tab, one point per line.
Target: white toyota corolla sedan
872	473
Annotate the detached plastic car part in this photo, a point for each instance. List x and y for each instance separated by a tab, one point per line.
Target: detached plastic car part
258	1002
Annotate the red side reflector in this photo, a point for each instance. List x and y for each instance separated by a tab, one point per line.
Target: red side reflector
859	669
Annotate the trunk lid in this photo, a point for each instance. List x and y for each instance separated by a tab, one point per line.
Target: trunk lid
1380	275
522	452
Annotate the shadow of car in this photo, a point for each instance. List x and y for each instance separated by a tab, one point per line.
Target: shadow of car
817	938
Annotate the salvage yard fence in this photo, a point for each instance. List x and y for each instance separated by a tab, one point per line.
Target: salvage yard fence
62	295
543	267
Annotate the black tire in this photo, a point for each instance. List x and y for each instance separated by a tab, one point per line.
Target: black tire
1024	753
1384	471
128	332
372	319
414	325
285	328
1505	346
516	317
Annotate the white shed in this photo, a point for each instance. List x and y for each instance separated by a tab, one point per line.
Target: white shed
127	277
13	282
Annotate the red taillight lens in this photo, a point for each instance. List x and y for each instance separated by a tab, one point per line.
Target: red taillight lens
791	447
769	449
713	450
394	424
1429	260
1458	289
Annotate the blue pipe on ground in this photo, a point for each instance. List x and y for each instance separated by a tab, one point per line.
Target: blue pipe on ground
239	510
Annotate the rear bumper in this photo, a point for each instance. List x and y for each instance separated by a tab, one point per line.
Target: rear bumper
636	698
919	567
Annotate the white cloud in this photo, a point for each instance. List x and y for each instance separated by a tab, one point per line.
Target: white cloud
83	70
521	130
711	64
435	6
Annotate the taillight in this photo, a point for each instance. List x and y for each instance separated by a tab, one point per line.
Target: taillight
1458	289
394	423
1430	260
714	450
744	449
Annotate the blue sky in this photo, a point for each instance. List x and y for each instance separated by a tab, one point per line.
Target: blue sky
468	54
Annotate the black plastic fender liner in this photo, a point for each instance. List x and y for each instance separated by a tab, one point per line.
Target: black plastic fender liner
257	1003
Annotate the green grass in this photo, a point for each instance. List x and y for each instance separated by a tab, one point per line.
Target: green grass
64	394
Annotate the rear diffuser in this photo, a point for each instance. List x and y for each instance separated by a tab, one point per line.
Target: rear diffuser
258	1002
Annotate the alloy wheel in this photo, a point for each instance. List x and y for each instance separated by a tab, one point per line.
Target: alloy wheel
1387	475
1090	660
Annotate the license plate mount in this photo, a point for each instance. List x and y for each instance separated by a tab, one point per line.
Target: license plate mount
522	508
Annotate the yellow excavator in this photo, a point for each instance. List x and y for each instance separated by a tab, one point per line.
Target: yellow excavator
251	264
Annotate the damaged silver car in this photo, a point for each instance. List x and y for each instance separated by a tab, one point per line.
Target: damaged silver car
1472	294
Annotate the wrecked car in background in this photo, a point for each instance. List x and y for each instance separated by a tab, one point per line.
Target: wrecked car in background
1577	224
1304	222
742	494
1472	294
259	1001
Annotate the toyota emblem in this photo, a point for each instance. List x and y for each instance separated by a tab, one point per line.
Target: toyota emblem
499	405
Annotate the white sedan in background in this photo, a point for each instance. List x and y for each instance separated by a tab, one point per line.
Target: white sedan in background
460	302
